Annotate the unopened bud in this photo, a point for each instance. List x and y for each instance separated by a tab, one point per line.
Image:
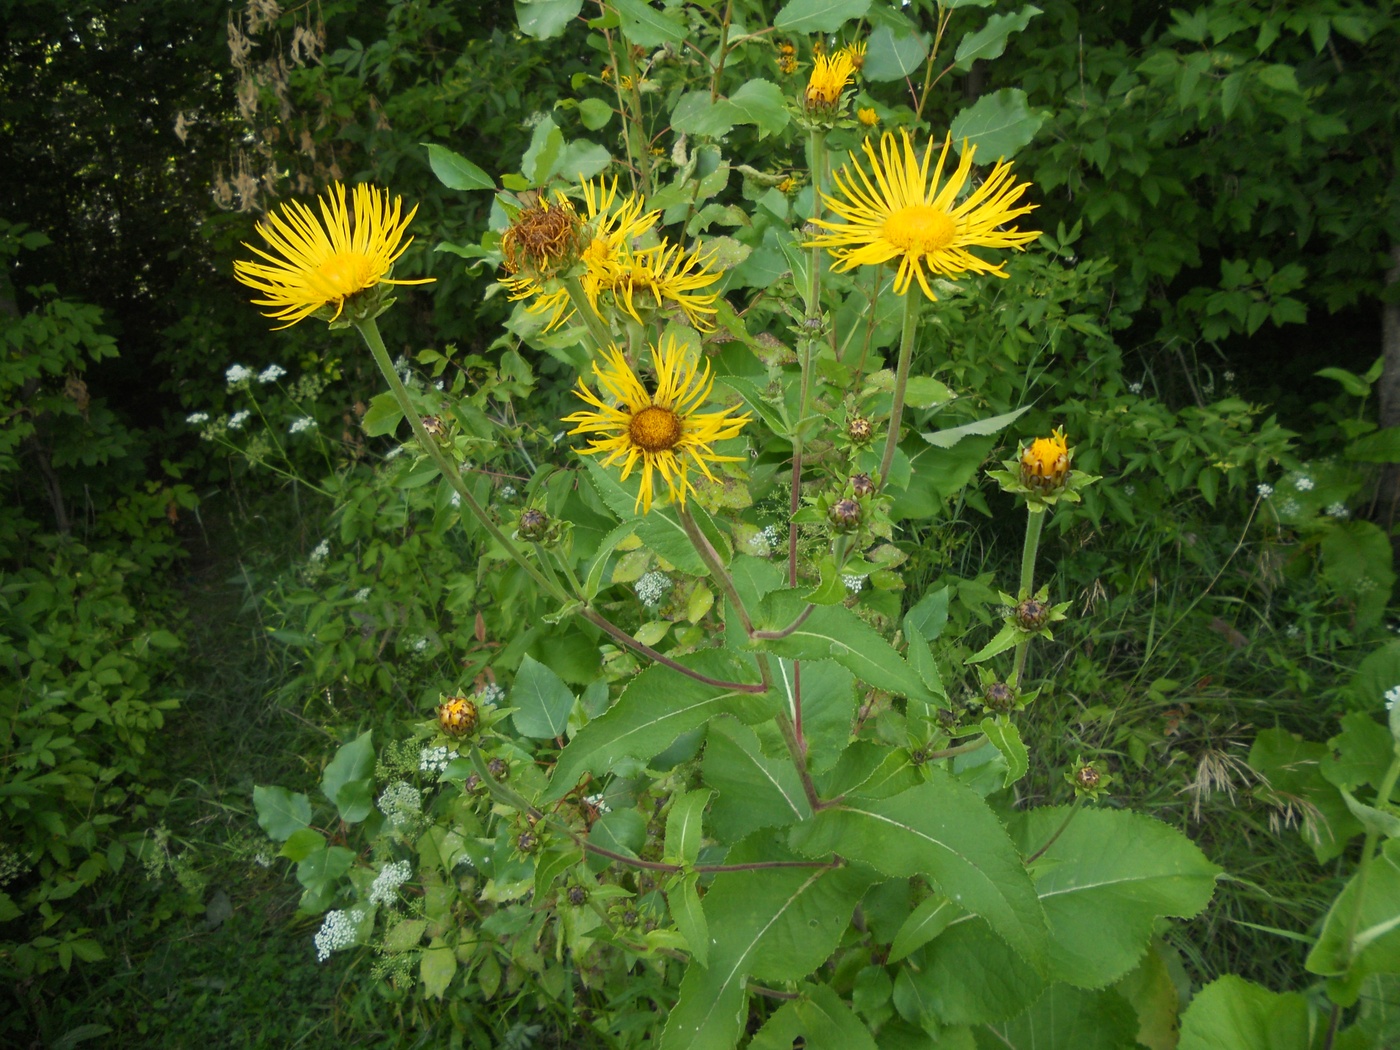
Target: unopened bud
534	524
845	514
457	716
1032	614
1045	464
859	429
999	696
862	485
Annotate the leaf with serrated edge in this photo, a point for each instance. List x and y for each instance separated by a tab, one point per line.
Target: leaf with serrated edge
690	917
656	707
944	831
754	790
683	826
925	923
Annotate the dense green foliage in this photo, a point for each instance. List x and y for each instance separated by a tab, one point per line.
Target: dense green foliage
242	753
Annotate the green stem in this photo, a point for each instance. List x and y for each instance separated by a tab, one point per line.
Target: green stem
1035	520
597	331
1368	850
599	620
912	302
712	561
723	50
370	331
799	760
976	744
817	144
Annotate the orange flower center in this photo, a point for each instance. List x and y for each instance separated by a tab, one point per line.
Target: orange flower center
344	273
655	429
920	229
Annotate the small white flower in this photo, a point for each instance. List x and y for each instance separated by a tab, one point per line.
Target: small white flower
438	385
320	552
271	374
854	584
236	421
490	694
262	859
456	499
1130	489
435	759
1338	510
1265	491
1228	376
337	931
1392	697
596	801
393	452
421	645
1303	483
304	423
401	802
652	587
362	595
238	374
1292	630
1135	388
507	493
385	886
195	418
1289	507
766	542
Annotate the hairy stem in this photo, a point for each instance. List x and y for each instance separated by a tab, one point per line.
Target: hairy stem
1035	520
907	338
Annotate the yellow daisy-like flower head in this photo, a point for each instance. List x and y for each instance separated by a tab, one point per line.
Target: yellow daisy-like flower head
1045	463
830	76
654	277
856	52
904	214
663	432
867	116
316	266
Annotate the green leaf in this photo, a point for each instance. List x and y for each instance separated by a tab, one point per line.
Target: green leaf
1291	766
1006	738
1370	907
383	417
828	707
622	831
438	967
893	55
998	124
1361	752
754	790
828	1023
546	19
818	16
1068	1017
992	425
924	923
1105	881
761	103
580	160
990	41
647	27
353	761
1357	560
656	707
1382	446
550	865
546	142
301	844
542	701
836	633
660	531
1353	384
1372	819
1234	1014
320	871
683	826
595	113
967	975
689	916
456	172
946	832
280	813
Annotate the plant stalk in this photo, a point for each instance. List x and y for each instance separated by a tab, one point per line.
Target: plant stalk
907	338
1035	520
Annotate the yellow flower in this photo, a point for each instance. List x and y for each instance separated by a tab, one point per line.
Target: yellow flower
1045	463
905	215
867	116
662	432
856	53
320	263
830	75
664	273
787	65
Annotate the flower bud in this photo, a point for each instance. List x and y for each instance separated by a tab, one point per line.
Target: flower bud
999	696
534	524
862	486
1045	464
577	896
434	426
497	768
1032	614
1087	778
859	429
457	716
845	514
527	841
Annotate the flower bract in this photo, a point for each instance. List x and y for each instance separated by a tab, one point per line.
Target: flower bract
900	213
317	264
661	432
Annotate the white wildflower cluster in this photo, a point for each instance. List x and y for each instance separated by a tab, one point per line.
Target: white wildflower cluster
1228	376
394	452
456	499
1339	510
1392	697
434	759
1292	630
1130	489
262	859
385	887
490	695
12	865
1290	507
854	584
596	801
507	493
196	418
362	595
1303	483
401	802
652	587
1265	491
238	374
1135	388
766	542
420	645
236	421
304	423
271	374
338	931
320	552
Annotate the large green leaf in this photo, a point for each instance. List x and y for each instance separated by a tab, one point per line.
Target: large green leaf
1068	1017
454	170
776	924
754	791
647	27
967	975
545	19
894	53
1105	881
1361	934
660	530
542	701
656	707
998	124
828	706
818	16
1292	766
990	41
280	813
828	1023
945	832
981	427
1234	1014
761	103
683	825
833	632
347	775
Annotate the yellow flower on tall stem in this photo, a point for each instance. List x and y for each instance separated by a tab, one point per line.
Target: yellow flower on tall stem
664	273
321	264
830	75
906	216
662	432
